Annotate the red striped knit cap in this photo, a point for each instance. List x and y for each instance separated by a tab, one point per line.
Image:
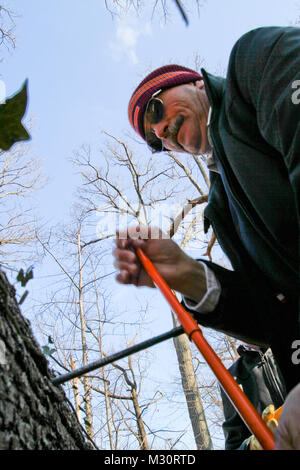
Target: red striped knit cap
161	78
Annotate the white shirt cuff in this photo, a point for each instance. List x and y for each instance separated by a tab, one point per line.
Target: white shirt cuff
210	300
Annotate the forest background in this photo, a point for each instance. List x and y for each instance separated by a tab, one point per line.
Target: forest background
83	174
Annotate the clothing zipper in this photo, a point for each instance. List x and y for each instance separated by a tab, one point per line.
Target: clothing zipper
270	375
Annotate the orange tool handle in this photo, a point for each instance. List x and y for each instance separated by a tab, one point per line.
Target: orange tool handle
229	385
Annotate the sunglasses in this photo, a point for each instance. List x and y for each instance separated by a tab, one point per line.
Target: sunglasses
154	113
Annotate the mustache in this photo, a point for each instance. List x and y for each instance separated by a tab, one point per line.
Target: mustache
173	131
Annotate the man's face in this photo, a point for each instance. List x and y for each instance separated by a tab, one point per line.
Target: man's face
184	124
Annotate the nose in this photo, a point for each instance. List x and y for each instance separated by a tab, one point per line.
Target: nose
160	129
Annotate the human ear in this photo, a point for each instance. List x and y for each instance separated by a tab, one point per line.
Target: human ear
199	84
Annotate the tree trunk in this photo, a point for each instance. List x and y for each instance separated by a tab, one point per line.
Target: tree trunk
34	414
140	423
76	392
191	391
103	372
87	392
138	414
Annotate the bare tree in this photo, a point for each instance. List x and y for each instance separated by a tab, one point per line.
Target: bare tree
20	177
226	348
148	184
7	27
111	402
125	189
164	9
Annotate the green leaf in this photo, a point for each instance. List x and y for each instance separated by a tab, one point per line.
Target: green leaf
23	297
11	114
48	351
24	278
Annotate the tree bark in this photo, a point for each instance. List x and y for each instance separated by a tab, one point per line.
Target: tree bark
76	392
191	391
34	414
86	385
138	414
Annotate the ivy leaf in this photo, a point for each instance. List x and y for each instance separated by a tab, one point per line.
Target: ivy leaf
48	351
24	278
23	297
11	114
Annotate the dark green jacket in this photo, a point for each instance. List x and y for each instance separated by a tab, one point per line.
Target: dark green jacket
258	375
253	204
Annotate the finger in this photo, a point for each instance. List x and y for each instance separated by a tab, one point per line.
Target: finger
129	245
127	256
124	277
132	269
139	243
122	242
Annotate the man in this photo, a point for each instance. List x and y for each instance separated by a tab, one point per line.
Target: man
248	125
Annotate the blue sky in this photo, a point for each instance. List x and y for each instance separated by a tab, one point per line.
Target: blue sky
82	67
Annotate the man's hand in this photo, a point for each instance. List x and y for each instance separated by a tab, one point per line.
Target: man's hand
181	272
287	435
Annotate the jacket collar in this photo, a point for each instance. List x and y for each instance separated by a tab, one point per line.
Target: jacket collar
215	89
244	351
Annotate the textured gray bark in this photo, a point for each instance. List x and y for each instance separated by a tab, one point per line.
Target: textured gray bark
34	414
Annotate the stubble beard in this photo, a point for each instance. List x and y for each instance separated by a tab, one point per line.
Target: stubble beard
173	131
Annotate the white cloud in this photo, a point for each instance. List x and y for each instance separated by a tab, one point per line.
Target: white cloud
127	36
